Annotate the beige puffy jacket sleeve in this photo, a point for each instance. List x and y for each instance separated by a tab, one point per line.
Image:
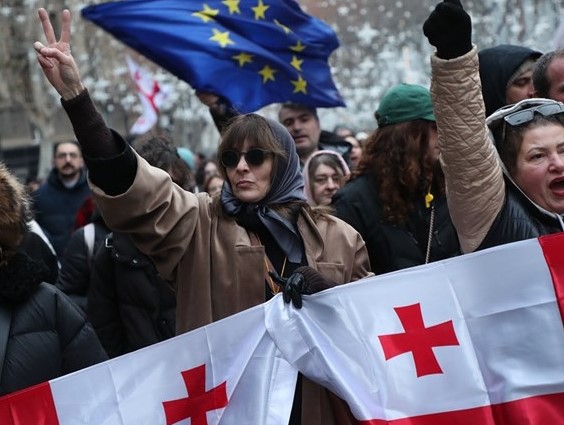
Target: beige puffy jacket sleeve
474	179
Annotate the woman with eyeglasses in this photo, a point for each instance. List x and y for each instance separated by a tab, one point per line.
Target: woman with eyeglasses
325	172
223	254
500	192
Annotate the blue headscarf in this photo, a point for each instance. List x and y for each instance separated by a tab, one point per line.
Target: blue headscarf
287	185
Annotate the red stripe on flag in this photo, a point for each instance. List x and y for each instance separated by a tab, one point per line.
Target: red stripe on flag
540	410
32	406
553	250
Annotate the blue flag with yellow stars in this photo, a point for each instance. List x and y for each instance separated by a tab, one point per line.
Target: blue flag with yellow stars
252	52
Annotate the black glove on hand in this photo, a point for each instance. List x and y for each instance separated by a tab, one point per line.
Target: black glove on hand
304	281
449	29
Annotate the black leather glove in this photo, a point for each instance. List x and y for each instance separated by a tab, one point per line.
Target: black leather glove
304	281
449	29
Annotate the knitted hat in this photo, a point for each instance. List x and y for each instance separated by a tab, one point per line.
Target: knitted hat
404	102
14	210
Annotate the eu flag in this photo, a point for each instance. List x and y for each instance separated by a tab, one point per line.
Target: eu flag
253	52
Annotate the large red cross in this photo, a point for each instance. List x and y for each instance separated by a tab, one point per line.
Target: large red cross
418	340
198	402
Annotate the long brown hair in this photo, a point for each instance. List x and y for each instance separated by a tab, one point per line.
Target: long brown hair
395	155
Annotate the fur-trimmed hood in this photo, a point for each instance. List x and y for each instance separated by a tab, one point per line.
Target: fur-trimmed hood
14	212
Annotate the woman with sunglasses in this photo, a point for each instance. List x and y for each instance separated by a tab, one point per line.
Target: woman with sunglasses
223	254
509	190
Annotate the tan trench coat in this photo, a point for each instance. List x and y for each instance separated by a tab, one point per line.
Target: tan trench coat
213	263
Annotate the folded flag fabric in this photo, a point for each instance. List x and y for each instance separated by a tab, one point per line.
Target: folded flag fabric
228	373
152	95
477	339
252	52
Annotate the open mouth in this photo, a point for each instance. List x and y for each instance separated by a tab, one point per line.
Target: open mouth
557	185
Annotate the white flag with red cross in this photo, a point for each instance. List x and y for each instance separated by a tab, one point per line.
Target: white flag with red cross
152	94
477	339
226	373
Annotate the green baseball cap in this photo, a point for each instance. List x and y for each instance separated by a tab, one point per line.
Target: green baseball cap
404	102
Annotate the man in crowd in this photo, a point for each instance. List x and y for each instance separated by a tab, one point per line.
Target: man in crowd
302	123
58	199
548	76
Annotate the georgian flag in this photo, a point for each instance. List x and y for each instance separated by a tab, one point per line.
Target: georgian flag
229	372
477	339
152	95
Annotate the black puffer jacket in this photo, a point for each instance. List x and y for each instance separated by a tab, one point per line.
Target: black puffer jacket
76	265
392	246
48	336
520	219
129	304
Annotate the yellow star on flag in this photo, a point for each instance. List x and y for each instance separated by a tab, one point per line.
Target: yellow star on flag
267	73
221	37
207	14
299	47
243	58
284	27
300	85
297	63
233	6
259	10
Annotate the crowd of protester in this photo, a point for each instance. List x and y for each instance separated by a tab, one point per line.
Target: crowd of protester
283	206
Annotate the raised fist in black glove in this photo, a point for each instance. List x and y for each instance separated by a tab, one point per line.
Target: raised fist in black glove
304	281
449	29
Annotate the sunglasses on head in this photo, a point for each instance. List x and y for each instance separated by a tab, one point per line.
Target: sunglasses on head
254	157
527	115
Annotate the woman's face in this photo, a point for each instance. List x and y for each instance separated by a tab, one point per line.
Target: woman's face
214	185
210	168
356	150
326	182
539	169
250	183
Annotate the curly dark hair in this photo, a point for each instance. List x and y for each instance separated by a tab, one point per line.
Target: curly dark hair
395	155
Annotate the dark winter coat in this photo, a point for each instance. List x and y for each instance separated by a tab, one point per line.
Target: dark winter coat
129	304
35	247
48	336
519	219
76	265
55	208
392	246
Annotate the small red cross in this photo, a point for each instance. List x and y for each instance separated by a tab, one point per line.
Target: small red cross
198	402
418	340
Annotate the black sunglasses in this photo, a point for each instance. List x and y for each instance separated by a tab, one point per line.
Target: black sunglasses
522	117
254	157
